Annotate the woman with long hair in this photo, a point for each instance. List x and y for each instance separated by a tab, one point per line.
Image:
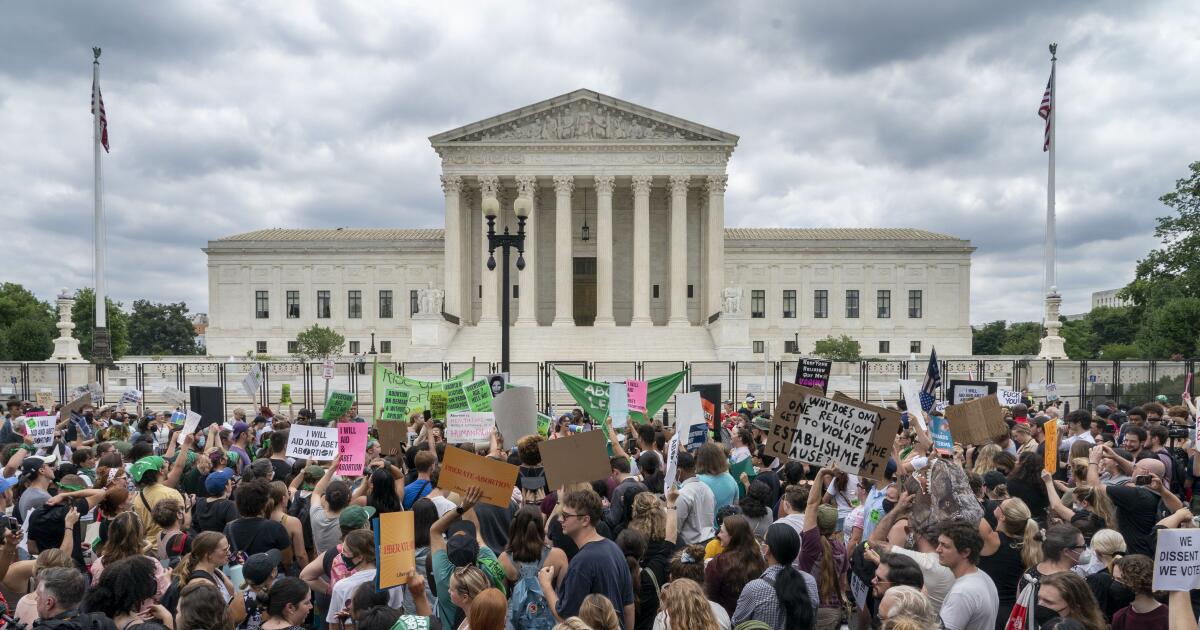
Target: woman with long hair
201	608
466	583
126	592
1108	546
598	613
1062	547
684	607
1025	483
126	537
741	561
425	514
287	604
210	552
756	507
985	459
645	585
296	556
488	611
650	518
823	554
1018	550
1068	596
527	552
781	586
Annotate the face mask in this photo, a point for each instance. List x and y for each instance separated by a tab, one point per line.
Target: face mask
1085	558
349	562
888	505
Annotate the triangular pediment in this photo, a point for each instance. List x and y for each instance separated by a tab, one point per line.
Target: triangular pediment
583	116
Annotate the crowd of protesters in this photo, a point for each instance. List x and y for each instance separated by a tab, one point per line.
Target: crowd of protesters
126	523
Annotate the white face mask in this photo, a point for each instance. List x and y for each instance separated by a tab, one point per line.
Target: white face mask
1085	558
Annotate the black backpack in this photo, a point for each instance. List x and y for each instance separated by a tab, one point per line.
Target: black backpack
299	509
1179	471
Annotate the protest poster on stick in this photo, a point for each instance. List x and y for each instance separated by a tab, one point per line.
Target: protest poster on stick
41	430
315	443
461	470
636	399
352	444
479	396
1177	560
515	410
814	373
580	457
395	548
191	421
45	400
337	405
470	426
618	405
785	419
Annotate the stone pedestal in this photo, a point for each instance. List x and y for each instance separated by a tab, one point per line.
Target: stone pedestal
66	347
1053	346
731	337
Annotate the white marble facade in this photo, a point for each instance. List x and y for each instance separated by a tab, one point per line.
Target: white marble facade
658	269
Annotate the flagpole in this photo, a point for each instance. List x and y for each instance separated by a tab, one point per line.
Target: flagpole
1052	345
101	348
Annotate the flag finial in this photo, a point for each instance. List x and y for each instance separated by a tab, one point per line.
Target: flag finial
95	53
1053	51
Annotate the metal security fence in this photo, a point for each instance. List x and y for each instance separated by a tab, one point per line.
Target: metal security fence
1079	383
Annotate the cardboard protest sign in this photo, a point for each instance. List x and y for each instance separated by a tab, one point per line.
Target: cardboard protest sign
74	406
253	381
470	426
41	429
912	401
479	396
618	405
393	435
496	479
689	419
785	419
1177	560
1008	397
395	548
887	425
1051	443
437	405
191	421
352	444
942	439
672	471
315	443
842	433
395	404
337	405
814	373
966	391
516	414
45	400
580	457
636	399
978	421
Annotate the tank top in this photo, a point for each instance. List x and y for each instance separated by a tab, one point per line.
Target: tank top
1005	568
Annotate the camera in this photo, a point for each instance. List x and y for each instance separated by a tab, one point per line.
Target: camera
1143	480
9	522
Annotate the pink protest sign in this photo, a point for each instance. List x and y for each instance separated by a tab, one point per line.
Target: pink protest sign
637	396
352	444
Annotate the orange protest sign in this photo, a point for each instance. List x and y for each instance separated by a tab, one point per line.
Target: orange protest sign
395	548
461	470
1051	430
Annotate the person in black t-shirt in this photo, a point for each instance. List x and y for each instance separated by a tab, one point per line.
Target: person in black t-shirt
252	533
1140	505
214	512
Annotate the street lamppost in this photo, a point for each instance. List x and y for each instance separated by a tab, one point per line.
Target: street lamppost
505	241
372	342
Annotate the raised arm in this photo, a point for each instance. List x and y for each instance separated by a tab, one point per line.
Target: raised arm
319	490
176	472
880	533
1093	475
436	543
618	450
814	500
1056	504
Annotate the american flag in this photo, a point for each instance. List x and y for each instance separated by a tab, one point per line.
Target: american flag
933	380
1046	107
96	95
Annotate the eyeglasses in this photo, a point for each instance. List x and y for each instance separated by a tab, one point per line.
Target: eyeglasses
1073	547
566	515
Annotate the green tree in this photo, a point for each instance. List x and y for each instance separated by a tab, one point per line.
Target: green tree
158	329
26	325
1022	338
318	343
1113	325
1171	328
988	338
84	317
1173	270
1081	342
838	349
1119	352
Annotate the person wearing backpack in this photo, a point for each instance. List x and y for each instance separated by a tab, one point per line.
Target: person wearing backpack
424	462
531	476
524	556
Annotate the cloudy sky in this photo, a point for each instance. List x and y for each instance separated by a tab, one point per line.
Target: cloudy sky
228	116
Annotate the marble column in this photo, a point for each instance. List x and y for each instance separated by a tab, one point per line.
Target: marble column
564	257
452	265
604	251
714	276
489	303
641	251
527	313
678	303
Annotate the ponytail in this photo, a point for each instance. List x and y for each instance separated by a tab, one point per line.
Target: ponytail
633	545
1031	547
794	601
827	579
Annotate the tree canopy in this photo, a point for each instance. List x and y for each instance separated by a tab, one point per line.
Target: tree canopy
318	342
84	316
156	329
27	329
838	349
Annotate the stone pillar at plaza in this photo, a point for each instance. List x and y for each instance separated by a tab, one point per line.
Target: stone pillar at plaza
489	313
641	251
453	270
564	299
714	273
679	190
527	311
604	251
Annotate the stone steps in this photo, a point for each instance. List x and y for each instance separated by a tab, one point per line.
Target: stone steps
584	343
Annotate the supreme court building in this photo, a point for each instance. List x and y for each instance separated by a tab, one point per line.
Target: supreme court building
627	258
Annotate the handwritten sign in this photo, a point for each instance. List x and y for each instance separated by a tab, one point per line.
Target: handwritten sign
352	444
479	395
438	404
315	443
191	420
833	432
337	405
785	419
887	425
395	548
1177	560
636	398
461	470
395	404
253	381
470	426
618	405
45	400
41	429
1008	397
814	373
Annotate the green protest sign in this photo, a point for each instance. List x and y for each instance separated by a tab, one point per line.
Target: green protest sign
593	395
395	404
456	398
437	405
479	395
544	422
418	390
337	405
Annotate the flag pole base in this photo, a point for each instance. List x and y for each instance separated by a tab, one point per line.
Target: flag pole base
102	349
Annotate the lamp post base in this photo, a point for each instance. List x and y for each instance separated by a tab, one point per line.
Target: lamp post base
102	349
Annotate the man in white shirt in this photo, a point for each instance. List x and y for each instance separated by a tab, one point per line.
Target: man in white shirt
971	603
694	504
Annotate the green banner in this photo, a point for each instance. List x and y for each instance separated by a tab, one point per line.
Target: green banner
593	395
388	384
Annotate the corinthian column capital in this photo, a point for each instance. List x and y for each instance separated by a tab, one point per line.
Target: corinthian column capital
489	184
679	184
526	185
716	184
641	184
451	184
564	184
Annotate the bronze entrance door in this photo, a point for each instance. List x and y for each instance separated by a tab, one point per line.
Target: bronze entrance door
585	291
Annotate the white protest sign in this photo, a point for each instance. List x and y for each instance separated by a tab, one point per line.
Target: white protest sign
190	422
618	405
1008	397
1051	392
672	462
470	426
833	432
41	429
174	395
1177	560
315	443
327	369
689	418
515	410
253	382
912	400
131	396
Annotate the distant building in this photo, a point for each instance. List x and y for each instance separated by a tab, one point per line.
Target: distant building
1108	298
200	328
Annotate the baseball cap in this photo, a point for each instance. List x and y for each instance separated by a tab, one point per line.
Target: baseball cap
259	566
31	465
461	546
1103	411
239	428
215	482
145	464
762	423
827	516
356	516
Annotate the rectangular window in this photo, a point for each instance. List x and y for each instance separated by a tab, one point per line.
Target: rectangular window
385	347
758	304
914	347
516	292
852	304
354	304
883	304
412	302
885	347
293	305
820	303
260	347
261	310
654	292
323	308
789	304
385	304
293	347
789	346
354	347
690	289
914	304
758	347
